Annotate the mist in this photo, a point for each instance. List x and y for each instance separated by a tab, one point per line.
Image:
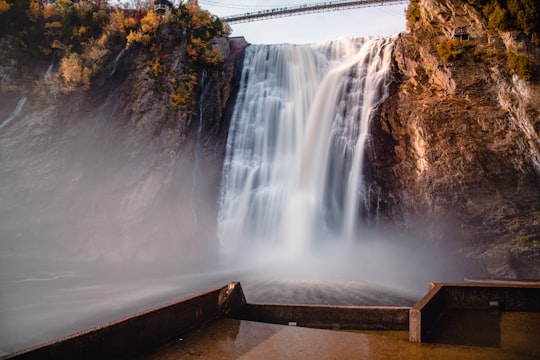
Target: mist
98	219
101	216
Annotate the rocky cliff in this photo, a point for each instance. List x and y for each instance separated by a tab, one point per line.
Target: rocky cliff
457	148
114	172
456	151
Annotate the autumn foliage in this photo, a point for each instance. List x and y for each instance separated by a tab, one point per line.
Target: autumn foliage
522	15
84	36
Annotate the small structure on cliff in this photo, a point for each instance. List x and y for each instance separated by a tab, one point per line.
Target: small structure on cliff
162	6
461	32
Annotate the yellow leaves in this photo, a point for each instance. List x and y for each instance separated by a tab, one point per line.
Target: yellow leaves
34	11
102	40
4	6
118	22
52	28
74	74
99	16
53	25
94	53
155	68
64	6
519	64
129	23
133	37
55	44
201	50
149	25
196	42
80	31
70	68
213	56
450	49
201	19
194	48
150	22
76	70
191	51
183	96
137	37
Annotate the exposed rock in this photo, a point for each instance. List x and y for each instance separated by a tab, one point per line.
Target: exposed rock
457	143
109	173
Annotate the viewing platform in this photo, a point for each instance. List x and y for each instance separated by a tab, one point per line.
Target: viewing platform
473	320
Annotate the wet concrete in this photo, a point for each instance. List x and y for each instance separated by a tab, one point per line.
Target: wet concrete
517	335
445	299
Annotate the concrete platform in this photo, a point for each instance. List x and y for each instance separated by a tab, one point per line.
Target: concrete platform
240	339
473	321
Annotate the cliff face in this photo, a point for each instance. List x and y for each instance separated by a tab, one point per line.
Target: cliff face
457	149
456	152
111	173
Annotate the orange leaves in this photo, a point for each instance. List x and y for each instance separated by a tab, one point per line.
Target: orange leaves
183	96
150	22
49	11
149	26
137	37
74	74
4	6
34	11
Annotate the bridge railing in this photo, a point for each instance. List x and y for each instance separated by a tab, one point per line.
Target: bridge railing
307	8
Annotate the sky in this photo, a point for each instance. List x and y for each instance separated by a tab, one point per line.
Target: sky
312	28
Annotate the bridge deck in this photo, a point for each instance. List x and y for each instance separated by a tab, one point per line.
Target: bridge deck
308	8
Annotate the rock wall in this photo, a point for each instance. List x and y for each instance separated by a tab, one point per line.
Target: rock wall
111	173
457	145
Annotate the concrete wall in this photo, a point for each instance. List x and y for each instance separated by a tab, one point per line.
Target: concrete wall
426	312
330	317
510	298
476	296
144	331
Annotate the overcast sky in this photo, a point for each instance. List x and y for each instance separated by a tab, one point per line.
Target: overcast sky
376	20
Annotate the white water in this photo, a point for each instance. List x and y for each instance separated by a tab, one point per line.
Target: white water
91	229
15	113
297	142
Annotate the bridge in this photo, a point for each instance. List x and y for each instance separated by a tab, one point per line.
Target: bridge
307	9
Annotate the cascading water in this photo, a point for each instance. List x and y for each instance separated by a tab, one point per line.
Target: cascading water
15	113
296	145
93	229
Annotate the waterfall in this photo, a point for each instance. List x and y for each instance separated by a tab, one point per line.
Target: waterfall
15	113
296	144
116	61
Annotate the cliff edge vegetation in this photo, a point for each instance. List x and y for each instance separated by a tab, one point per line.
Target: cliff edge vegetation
114	127
57	47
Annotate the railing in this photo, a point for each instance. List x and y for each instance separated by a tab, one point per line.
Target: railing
308	9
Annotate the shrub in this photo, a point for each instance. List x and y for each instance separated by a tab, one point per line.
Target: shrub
149	26
498	18
519	64
150	22
522	15
4	6
74	74
450	49
182	97
137	37
412	13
